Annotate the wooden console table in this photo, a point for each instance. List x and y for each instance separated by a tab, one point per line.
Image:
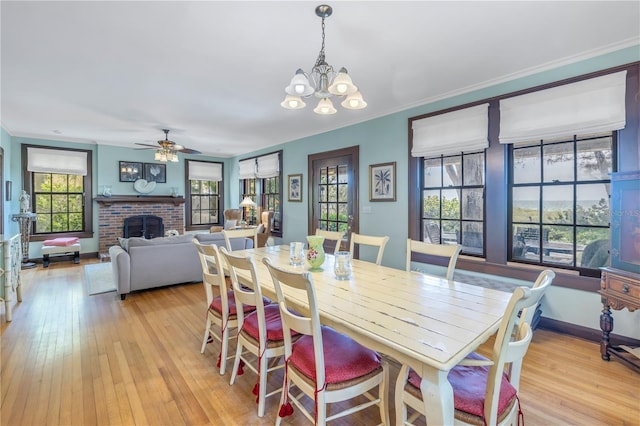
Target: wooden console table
619	289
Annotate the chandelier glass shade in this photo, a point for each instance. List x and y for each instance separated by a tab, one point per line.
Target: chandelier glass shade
323	82
166	154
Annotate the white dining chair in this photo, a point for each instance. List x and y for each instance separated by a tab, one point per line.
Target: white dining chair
221	306
261	332
324	365
485	389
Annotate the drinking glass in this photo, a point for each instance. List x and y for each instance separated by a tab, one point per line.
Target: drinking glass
296	253
342	265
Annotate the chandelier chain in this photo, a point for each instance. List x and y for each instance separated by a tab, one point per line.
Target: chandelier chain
321	58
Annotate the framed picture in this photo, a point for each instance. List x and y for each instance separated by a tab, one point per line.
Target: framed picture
154	172
295	187
130	171
382	182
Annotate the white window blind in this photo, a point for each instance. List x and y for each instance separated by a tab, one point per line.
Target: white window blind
200	170
585	107
454	132
268	166
247	169
62	161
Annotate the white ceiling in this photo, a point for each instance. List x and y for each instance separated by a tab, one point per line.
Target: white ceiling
116	73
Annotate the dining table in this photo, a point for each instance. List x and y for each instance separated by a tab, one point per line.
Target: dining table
425	321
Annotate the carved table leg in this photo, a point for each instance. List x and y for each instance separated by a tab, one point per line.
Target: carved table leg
606	325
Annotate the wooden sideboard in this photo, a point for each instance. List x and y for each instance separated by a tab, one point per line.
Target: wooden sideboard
619	289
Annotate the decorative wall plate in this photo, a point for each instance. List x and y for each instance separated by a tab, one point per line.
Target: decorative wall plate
144	187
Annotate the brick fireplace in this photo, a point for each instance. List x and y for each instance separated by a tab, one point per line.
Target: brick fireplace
113	210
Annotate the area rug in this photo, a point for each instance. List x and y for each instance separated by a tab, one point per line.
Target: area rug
99	278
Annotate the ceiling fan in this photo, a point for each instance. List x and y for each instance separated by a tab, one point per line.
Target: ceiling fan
166	151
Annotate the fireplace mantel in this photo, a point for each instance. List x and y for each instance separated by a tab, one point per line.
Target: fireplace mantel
107	201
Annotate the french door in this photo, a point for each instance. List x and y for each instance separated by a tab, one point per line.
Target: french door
333	189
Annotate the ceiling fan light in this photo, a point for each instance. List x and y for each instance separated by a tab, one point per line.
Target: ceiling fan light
325	107
354	101
174	157
299	85
342	84
292	102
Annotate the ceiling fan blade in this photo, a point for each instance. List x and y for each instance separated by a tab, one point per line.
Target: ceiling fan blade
189	151
146	144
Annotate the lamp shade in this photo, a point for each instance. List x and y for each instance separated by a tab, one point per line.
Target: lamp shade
325	107
293	102
342	84
354	101
247	202
300	85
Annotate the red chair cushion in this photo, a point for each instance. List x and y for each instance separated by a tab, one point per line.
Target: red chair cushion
273	323
469	386
216	304
344	358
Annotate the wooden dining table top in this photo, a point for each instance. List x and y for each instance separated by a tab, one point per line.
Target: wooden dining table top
422	320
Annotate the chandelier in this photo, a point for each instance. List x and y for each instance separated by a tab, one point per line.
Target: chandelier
323	82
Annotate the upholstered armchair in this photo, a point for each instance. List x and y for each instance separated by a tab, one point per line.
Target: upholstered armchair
264	229
231	218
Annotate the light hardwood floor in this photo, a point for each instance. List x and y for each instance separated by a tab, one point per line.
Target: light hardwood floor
73	359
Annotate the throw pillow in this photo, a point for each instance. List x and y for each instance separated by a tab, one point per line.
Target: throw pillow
124	243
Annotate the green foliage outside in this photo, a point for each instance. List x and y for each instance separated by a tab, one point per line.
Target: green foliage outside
58	202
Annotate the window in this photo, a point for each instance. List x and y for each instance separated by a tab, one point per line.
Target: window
57	202
560	201
453	201
261	181
203	204
59	182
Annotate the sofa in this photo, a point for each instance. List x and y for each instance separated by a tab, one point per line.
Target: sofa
140	264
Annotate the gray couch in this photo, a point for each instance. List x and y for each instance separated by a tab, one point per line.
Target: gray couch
140	264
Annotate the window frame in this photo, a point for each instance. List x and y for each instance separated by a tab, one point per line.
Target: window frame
575	140
258	196
87	198
188	224
496	182
460	220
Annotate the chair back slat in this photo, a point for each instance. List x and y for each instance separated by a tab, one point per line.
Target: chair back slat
336	236
369	240
450	251
230	234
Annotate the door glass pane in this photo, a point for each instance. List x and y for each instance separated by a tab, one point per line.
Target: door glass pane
431	203
472	237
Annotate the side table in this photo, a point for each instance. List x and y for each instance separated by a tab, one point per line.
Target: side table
619	289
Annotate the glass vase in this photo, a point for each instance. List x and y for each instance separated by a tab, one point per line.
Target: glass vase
315	254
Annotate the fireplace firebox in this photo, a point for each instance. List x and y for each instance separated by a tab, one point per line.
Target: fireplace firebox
146	226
